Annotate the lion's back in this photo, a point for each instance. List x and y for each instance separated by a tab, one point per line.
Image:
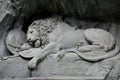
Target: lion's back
60	29
67	36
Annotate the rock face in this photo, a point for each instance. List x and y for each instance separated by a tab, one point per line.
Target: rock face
3	4
14	68
5	26
82	9
88	10
71	67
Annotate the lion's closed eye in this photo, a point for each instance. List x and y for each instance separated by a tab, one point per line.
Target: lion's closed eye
30	31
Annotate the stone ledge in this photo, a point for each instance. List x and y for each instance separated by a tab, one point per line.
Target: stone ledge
57	78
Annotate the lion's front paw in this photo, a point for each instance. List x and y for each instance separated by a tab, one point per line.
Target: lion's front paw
25	46
32	64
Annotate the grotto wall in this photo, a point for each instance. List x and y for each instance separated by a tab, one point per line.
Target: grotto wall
82	9
19	14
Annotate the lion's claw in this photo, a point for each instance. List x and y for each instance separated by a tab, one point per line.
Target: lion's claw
32	64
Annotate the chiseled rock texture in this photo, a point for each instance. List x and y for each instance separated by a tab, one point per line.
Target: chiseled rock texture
71	65
14	68
3	4
102	10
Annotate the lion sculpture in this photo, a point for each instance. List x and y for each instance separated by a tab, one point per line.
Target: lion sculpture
59	37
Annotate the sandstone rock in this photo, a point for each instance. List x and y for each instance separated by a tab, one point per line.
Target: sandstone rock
14	68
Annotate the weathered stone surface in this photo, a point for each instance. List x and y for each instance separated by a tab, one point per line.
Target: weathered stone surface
5	26
73	66
82	9
3	4
14	68
102	10
112	27
70	66
15	37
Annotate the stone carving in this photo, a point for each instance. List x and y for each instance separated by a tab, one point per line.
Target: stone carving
64	38
99	39
35	34
15	37
64	62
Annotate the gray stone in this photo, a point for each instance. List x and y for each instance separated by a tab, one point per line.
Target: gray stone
5	26
72	66
87	10
15	37
3	4
14	68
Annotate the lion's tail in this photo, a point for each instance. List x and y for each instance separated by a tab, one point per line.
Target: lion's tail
95	59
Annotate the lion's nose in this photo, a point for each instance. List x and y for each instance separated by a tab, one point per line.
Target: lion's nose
29	39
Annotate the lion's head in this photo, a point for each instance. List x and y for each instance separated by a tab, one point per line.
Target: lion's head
38	31
33	35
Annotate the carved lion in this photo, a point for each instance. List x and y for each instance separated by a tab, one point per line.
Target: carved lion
63	37
37	33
